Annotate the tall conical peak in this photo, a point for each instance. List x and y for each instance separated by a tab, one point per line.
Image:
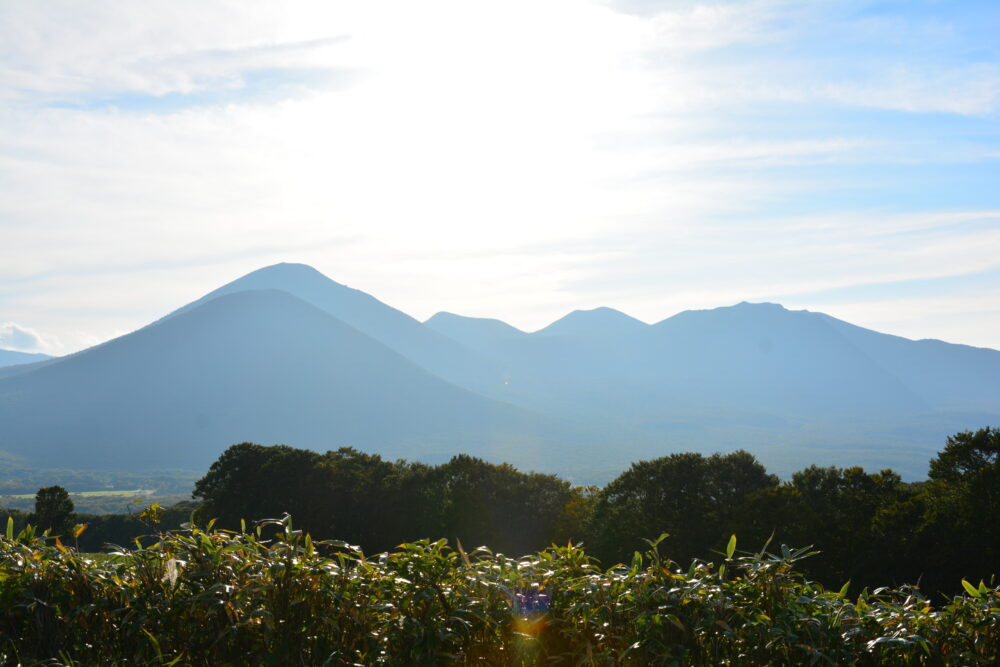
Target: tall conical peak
287	270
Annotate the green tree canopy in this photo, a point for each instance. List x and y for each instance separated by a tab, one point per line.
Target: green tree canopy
962	503
689	496
53	510
498	506
968	455
251	482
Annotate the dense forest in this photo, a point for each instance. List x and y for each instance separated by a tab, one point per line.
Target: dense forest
869	529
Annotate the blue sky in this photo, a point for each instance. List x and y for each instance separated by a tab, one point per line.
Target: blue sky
515	160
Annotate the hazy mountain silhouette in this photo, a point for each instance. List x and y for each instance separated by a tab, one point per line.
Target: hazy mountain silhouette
947	376
255	365
599	322
422	345
285	354
761	356
749	356
476	333
13	358
800	385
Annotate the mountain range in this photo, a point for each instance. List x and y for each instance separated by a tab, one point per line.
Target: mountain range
284	354
14	358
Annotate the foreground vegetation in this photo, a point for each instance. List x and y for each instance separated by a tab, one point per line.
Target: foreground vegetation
272	595
937	532
871	528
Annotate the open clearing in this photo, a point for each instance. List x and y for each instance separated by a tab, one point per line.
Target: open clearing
90	494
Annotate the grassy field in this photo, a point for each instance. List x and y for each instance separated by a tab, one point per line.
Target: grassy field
109	501
108	493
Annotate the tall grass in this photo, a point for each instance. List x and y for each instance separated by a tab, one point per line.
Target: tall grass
273	596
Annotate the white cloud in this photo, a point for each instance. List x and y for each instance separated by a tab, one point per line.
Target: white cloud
22	339
971	90
54	51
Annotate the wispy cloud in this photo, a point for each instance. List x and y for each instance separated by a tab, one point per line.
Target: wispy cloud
971	90
22	339
165	64
246	86
516	160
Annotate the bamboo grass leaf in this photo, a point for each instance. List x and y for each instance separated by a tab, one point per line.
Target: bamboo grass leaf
971	590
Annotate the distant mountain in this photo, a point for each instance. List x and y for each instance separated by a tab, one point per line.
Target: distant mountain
945	375
263	366
422	345
285	354
12	358
749	357
763	357
476	333
599	322
796	387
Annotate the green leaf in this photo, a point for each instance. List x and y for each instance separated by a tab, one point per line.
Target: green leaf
10	528
156	644
656	542
971	590
844	588
461	551
731	547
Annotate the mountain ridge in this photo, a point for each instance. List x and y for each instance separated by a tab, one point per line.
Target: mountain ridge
310	362
235	360
601	321
433	351
17	358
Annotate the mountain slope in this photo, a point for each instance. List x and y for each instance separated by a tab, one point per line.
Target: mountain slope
762	356
476	333
796	387
424	346
598	322
13	358
948	376
255	365
286	355
749	357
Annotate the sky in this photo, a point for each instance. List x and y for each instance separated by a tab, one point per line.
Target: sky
515	160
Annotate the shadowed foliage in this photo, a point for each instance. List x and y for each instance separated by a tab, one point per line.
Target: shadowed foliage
53	509
209	597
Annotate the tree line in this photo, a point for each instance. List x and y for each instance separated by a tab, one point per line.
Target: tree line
871	529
